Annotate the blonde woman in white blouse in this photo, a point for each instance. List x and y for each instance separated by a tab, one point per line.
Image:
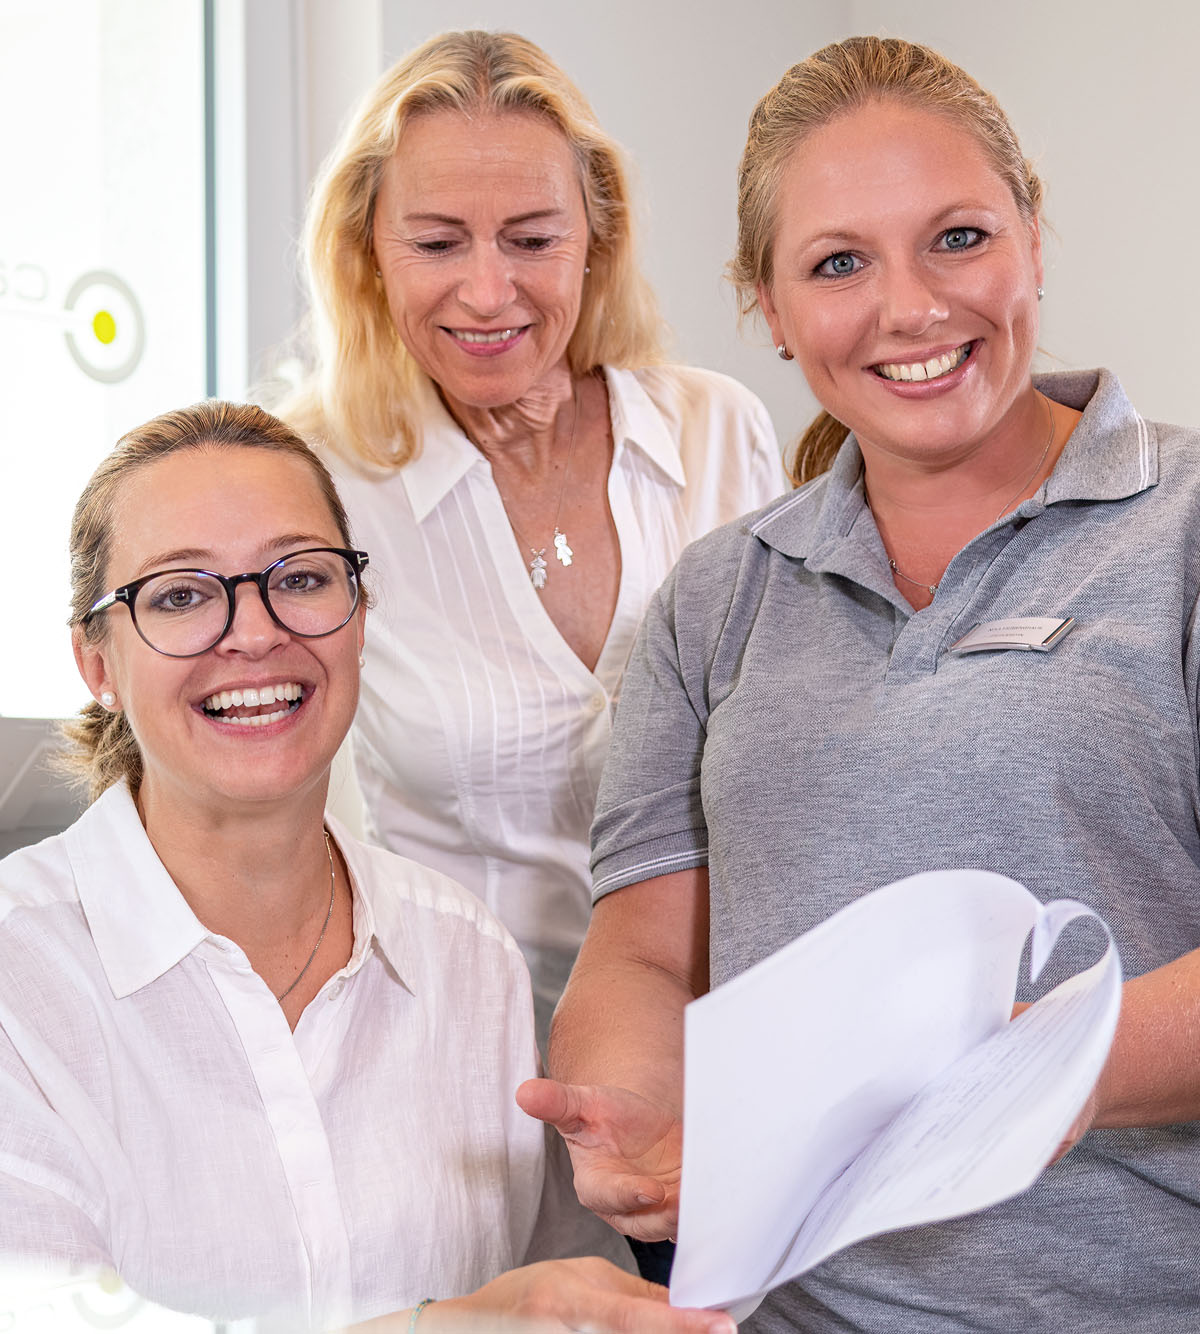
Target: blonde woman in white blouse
522	465
253	1066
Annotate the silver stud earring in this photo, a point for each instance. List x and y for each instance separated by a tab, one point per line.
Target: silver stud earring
784	354
1041	291
108	699
379	273
362	662
587	268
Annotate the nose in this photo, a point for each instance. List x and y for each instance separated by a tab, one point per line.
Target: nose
486	285
254	631
911	303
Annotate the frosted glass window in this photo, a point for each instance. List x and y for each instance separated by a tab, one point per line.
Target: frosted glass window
102	282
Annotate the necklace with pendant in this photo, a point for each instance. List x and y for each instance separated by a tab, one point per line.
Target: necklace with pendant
538	568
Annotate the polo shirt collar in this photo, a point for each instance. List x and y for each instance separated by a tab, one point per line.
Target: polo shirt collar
140	923
1111	455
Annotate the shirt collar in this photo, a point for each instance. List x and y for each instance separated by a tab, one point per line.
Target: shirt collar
637	422
1112	454
139	921
447	455
378	918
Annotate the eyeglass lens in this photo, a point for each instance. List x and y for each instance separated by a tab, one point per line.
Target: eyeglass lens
184	612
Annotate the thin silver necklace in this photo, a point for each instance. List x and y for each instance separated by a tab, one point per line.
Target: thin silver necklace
933	588
562	550
332	891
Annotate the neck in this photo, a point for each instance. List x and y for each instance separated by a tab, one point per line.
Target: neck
256	874
526	433
964	494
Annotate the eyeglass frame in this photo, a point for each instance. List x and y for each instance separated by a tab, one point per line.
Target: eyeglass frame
127	593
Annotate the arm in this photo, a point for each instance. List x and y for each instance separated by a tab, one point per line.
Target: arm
1152	1075
617	1048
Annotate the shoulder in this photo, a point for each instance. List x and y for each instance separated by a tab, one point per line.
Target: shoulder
413	896
688	393
38	876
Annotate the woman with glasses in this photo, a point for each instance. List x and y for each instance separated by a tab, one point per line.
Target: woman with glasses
253	1066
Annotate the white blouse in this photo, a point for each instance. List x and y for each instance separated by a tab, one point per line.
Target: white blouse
480	735
157	1116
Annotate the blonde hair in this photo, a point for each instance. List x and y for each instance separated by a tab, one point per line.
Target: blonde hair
833	81
360	395
101	745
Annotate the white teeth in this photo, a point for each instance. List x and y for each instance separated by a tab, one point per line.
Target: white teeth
496	336
259	719
253	697
924	370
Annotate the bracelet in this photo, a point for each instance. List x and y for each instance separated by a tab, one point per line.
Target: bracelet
416	1312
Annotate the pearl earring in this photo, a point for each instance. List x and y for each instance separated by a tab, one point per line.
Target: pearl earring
362	662
784	354
1041	291
108	699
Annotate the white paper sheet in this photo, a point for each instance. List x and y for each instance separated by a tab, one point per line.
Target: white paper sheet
867	1077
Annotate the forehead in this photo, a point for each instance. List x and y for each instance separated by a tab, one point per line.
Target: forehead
231	502
888	158
449	159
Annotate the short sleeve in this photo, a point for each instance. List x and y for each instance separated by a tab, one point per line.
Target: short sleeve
649	819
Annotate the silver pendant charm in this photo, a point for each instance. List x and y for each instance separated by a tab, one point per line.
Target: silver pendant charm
561	550
537	569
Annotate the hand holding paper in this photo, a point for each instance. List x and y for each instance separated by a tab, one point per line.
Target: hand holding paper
867	1077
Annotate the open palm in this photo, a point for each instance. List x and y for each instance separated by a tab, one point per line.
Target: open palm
626	1152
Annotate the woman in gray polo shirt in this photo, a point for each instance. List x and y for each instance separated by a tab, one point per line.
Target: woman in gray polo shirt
796	727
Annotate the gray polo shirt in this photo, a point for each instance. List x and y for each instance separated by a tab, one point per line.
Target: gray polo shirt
790	721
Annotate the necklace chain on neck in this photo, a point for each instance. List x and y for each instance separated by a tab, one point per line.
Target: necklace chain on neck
562	550
933	588
324	927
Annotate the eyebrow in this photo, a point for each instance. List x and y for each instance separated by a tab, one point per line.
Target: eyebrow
165	560
532	216
848	236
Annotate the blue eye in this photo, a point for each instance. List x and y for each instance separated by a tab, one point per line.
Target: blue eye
840	265
962	238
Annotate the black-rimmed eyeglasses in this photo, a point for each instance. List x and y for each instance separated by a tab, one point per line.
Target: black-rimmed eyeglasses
183	613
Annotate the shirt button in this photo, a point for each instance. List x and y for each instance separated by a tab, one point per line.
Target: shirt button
597	704
336	990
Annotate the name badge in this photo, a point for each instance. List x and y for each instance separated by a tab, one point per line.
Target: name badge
1037	634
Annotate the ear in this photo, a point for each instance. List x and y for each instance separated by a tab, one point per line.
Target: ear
766	303
92	663
362	627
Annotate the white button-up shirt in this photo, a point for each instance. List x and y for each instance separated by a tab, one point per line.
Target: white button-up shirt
158	1117
480	735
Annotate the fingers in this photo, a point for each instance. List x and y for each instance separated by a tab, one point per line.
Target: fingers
609	1301
606	1191
561	1105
